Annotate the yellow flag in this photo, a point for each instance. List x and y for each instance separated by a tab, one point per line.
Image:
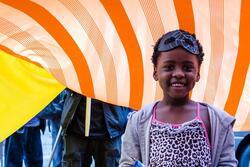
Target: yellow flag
25	89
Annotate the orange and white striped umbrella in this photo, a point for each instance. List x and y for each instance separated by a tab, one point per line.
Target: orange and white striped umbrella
103	49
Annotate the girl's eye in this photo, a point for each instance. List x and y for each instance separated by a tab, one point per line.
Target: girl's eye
188	68
169	67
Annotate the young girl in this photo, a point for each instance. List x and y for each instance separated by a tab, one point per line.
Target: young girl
177	131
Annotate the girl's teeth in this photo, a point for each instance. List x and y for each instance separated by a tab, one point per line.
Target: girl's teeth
177	84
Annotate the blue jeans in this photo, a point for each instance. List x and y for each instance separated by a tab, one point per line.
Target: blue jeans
55	123
79	151
25	146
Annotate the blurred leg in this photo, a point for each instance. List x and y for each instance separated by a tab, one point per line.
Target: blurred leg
77	152
59	149
1	153
107	152
33	148
14	150
113	151
98	152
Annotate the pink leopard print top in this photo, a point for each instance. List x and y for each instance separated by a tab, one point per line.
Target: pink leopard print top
179	145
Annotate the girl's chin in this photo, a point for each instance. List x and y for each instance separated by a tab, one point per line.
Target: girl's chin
179	96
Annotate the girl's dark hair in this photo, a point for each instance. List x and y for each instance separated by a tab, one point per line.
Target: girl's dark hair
157	53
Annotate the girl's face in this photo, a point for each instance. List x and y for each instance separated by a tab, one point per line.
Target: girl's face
177	71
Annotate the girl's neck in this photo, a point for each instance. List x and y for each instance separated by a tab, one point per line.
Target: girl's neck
176	102
175	113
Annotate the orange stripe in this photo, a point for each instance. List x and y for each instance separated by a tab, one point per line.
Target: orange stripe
184	12
130	43
104	53
242	62
58	32
217	49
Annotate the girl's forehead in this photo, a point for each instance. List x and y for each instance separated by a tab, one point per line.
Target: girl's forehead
178	54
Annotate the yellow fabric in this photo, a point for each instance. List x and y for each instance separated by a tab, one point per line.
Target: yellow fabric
25	89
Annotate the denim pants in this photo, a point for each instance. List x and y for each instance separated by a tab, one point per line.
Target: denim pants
25	146
55	124
80	151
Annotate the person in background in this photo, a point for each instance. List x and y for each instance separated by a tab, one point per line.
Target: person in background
52	113
103	144
1	153
25	144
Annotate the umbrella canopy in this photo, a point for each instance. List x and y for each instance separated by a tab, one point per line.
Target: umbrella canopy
103	49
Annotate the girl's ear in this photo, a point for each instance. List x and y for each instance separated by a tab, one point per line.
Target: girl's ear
198	74
198	77
155	74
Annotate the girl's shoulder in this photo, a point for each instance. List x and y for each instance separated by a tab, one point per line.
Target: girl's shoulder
144	113
216	114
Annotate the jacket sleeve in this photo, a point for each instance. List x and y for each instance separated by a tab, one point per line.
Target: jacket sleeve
227	156
53	109
130	145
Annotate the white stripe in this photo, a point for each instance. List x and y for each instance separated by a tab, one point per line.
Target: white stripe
168	14
144	37
74	28
202	30
231	41
111	37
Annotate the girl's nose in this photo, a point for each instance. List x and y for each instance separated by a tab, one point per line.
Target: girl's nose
178	73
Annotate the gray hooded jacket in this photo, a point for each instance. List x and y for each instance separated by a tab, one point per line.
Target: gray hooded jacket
135	144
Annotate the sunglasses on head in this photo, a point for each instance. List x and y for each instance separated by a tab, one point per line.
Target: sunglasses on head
178	39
